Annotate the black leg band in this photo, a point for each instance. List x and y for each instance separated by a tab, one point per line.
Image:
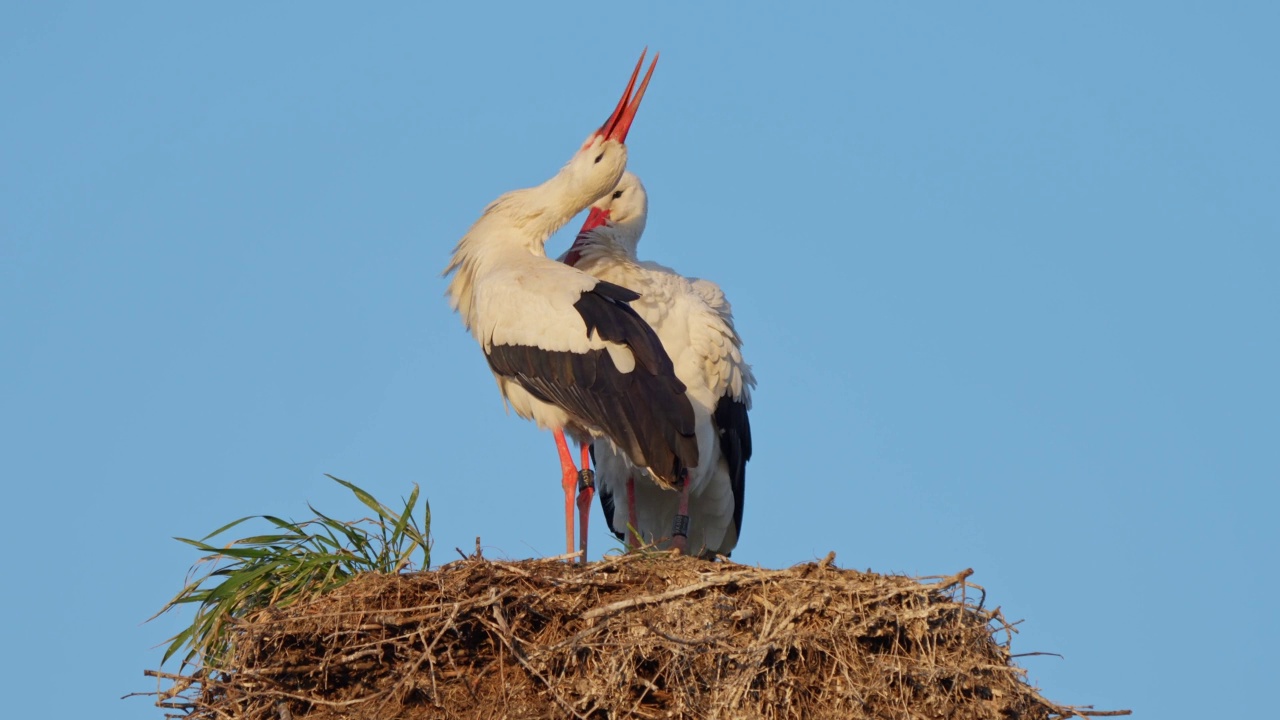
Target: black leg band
680	527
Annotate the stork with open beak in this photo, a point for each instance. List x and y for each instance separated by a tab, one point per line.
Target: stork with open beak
695	323
566	348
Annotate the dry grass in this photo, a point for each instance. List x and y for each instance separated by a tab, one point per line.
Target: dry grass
628	637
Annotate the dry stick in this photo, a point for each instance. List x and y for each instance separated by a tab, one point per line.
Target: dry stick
328	703
502	677
814	604
519	656
221	713
567	556
274	671
1004	625
1088	711
513	568
769	615
428	653
682	641
609	562
951	580
669	594
1028	654
1002	668
425	656
571	640
264	622
845	669
180	684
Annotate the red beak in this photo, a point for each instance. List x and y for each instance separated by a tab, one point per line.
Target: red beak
616	127
595	218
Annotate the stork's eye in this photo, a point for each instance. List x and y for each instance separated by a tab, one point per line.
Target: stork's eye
599	157
617	194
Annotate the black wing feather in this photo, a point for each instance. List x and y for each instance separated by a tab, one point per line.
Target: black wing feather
606	502
735	445
645	412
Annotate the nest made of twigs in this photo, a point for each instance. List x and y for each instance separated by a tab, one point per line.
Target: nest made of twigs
628	637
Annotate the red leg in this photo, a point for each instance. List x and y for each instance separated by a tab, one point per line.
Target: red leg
568	480
586	491
632	540
680	531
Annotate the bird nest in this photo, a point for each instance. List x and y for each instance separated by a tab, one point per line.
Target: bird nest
629	637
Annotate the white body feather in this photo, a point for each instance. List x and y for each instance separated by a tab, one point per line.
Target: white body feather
695	324
509	292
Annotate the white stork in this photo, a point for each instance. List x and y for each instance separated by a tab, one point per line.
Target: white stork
695	324
567	350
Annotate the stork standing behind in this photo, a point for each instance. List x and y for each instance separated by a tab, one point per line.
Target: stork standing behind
695	323
567	350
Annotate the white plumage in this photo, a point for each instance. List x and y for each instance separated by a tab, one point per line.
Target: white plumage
566	349
695	324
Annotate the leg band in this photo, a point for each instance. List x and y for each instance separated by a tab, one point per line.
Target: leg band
681	526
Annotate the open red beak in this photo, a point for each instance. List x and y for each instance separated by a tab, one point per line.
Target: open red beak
616	127
595	218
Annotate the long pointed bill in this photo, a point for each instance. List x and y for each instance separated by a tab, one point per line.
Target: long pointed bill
595	218
619	123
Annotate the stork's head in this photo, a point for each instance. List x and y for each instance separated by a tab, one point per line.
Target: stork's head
618	218
599	163
625	210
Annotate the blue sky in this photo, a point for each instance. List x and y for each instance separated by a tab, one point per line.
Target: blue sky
1007	277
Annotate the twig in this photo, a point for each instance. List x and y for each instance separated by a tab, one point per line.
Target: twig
669	594
810	606
952	580
168	676
519	656
320	701
682	641
567	556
